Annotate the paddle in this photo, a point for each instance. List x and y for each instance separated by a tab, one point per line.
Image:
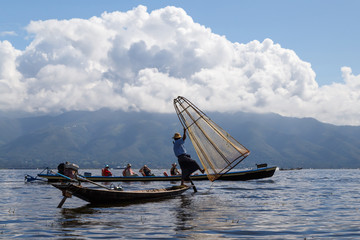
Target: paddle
62	202
192	184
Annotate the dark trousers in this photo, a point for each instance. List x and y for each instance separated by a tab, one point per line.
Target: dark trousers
188	166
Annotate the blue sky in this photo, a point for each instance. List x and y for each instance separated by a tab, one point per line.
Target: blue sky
268	52
324	33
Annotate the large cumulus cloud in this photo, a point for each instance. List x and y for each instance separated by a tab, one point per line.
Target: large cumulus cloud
140	61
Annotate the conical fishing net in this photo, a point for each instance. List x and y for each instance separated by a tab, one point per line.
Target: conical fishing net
216	149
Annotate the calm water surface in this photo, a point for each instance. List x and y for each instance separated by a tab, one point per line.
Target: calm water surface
311	204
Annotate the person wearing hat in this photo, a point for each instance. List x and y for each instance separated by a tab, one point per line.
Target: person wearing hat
187	164
128	171
174	171
106	172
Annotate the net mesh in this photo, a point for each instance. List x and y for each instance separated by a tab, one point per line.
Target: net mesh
216	149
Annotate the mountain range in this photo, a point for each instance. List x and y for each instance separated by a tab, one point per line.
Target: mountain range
92	139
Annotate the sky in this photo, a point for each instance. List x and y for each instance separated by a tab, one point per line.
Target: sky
294	58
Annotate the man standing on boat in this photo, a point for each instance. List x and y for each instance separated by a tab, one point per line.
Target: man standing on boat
187	164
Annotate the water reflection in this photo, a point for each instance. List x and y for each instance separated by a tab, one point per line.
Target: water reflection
73	217
184	213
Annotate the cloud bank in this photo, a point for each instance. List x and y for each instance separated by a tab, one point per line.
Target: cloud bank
141	61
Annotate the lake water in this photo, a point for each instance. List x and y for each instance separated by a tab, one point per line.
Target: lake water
311	204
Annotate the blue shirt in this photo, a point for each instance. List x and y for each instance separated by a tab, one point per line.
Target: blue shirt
179	147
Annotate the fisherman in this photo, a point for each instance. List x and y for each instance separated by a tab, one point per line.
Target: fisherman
174	171
187	164
106	172
128	171
146	171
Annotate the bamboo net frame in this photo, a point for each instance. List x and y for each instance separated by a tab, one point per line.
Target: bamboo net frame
217	150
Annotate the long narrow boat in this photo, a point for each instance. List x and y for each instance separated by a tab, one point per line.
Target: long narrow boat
259	173
105	196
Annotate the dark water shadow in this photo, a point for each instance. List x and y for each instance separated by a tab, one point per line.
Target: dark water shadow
184	213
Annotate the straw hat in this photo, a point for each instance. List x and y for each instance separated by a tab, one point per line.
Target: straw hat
177	135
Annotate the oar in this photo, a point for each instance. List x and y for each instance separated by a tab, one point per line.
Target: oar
192	184
62	202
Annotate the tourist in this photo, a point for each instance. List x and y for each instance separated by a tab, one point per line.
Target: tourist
106	172
128	172
174	171
146	171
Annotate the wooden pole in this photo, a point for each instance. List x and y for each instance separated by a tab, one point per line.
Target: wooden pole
62	202
97	184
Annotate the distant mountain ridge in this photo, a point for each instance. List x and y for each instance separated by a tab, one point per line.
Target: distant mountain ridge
92	139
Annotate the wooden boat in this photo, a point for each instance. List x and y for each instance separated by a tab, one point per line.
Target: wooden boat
244	175
106	196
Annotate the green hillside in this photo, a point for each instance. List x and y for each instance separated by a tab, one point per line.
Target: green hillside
92	139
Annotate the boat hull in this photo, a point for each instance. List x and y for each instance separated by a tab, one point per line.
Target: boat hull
245	175
100	196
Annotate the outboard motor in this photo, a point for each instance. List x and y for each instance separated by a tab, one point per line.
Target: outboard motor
71	170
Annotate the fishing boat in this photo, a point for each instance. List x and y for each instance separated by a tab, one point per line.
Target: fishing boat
117	196
244	175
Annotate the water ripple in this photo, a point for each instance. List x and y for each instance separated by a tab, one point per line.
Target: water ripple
311	204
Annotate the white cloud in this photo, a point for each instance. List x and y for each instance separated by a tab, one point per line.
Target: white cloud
7	33
137	60
12	88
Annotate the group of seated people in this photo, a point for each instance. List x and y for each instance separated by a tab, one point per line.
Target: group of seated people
145	171
127	171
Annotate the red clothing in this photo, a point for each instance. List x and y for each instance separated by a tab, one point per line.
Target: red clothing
106	172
